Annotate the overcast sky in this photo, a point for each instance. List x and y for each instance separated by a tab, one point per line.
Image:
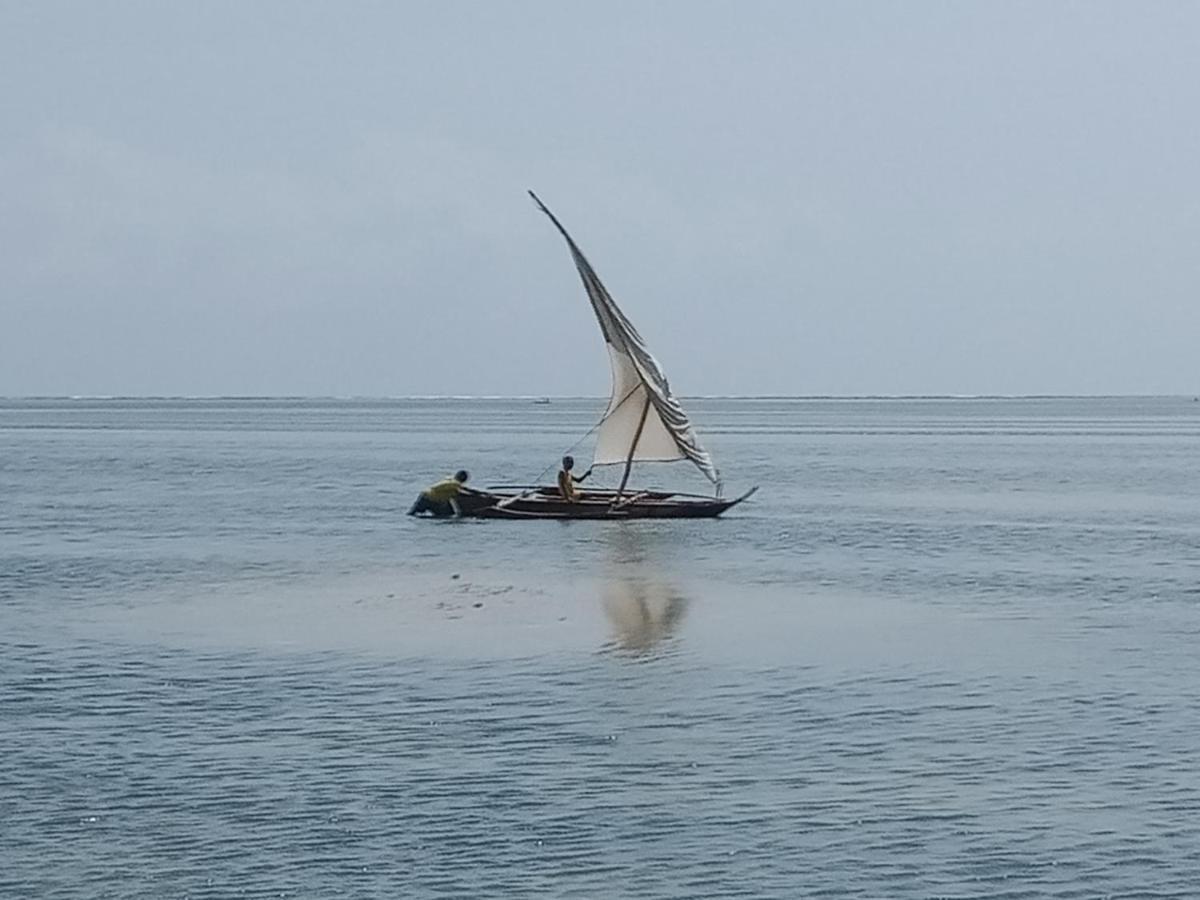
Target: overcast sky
835	198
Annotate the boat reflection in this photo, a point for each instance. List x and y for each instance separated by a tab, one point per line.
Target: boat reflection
643	612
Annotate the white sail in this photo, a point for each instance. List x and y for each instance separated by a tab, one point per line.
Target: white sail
620	426
644	421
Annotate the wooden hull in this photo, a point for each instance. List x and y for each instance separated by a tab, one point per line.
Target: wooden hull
545	503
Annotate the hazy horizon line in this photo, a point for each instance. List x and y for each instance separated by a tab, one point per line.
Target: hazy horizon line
550	398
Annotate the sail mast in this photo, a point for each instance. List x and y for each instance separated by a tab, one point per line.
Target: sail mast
637	436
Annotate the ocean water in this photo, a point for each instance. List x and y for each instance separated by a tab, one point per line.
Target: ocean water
950	649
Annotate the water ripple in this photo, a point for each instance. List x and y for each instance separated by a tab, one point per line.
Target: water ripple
214	774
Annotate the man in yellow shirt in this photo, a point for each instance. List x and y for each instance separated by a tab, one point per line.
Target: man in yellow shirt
567	480
441	499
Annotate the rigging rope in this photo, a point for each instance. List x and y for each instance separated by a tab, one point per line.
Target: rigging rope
604	418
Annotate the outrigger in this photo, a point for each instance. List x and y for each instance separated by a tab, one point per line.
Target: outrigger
642	423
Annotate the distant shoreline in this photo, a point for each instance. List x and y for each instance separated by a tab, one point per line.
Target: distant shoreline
532	398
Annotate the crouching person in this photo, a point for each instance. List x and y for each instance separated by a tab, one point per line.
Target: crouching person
441	499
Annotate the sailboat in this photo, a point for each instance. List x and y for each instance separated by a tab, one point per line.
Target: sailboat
642	423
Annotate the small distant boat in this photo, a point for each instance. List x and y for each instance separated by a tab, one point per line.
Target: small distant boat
542	401
642	423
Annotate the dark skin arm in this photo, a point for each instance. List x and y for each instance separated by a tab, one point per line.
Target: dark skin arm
579	478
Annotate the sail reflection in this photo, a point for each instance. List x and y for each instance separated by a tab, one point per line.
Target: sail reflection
643	612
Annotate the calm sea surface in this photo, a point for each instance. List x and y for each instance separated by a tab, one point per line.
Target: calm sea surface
951	649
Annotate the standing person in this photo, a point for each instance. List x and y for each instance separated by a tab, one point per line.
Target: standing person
441	499
567	480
